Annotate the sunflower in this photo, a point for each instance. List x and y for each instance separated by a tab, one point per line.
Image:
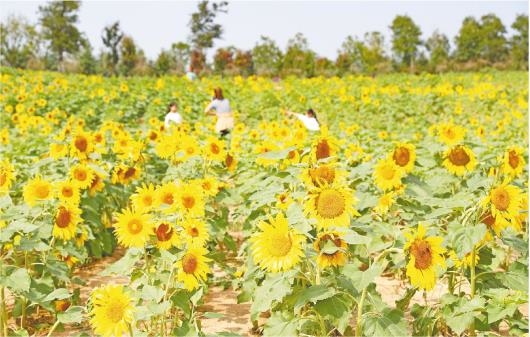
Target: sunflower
450	133
195	232
166	236
504	201
6	176
190	200
124	174
144	198
331	249
323	174
82	175
384	203
58	150
189	147
513	161
230	162
193	267
387	174
37	189
68	192
65	221
331	205
464	262
215	149
404	156
425	254
283	200
166	147
276	247
325	146
166	196
496	224
96	185
112	311
210	185
133	228
81	145
459	159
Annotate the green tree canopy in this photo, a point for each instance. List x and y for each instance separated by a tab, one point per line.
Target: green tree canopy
405	40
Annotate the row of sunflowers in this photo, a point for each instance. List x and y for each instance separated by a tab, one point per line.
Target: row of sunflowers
430	191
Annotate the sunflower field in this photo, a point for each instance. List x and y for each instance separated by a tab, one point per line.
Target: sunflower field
414	183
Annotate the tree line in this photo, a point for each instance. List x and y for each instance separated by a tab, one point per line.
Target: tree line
56	43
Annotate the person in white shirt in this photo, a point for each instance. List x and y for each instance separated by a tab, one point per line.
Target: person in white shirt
221	105
309	120
172	116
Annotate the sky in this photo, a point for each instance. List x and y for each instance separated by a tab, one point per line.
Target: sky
155	25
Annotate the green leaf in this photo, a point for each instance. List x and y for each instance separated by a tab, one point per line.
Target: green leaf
212	315
389	322
334	306
274	288
152	293
182	300
281	324
361	279
465	238
18	281
312	294
57	294
71	315
461	315
353	238
124	265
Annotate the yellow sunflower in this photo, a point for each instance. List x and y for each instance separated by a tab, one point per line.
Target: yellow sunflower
276	247
504	201
513	162
133	228
283	200
166	236
112	311
323	174
81	145
82	175
166	147
68	192
96	185
58	150
37	189
124	174
210	185
425	254
450	133
331	205
7	176
193	267
166	196
387	175
459	159
65	221
384	203
190	200
325	146
215	149
230	162
465	262
404	156
331	249
496	224
144	198
195	232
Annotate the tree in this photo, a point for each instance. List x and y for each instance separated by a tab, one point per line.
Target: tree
468	40
181	54
58	20
356	56
324	67
111	38
243	62
405	40
519	42
494	45
438	47
223	60
164	63
267	57
18	42
197	62
87	61
204	30
299	60
129	55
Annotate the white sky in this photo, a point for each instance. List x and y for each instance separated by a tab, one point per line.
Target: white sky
156	24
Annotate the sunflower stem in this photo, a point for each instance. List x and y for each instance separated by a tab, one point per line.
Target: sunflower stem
54	326
359	326
473	286
3	312
129	325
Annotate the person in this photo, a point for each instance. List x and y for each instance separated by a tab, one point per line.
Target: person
221	105
309	120
172	115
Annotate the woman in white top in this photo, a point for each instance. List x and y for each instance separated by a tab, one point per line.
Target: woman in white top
221	105
172	115
309	119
